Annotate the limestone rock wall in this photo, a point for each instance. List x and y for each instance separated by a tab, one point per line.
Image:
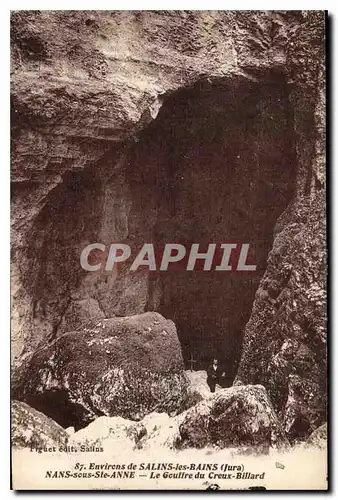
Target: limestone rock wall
285	338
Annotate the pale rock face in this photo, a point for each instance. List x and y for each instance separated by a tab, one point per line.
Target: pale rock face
318	437
32	429
161	431
198	388
78	104
117	434
114	434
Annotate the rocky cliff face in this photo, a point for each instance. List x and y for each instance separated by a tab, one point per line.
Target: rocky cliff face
182	126
285	339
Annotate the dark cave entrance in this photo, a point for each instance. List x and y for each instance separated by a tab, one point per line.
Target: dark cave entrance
217	165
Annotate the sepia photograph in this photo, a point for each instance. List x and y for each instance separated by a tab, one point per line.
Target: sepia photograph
168	250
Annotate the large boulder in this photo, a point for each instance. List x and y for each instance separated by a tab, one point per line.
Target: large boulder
318	438
126	367
235	417
32	429
112	434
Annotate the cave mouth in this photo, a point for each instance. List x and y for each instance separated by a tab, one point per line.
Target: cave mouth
216	165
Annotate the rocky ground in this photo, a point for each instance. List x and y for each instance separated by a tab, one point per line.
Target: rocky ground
238	417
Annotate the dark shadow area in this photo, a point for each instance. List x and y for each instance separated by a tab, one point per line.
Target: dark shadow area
216	166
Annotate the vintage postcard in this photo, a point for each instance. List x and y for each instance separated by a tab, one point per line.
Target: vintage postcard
168	250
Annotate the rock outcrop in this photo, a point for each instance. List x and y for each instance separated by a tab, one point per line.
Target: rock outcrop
32	429
128	367
285	339
239	416
285	344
